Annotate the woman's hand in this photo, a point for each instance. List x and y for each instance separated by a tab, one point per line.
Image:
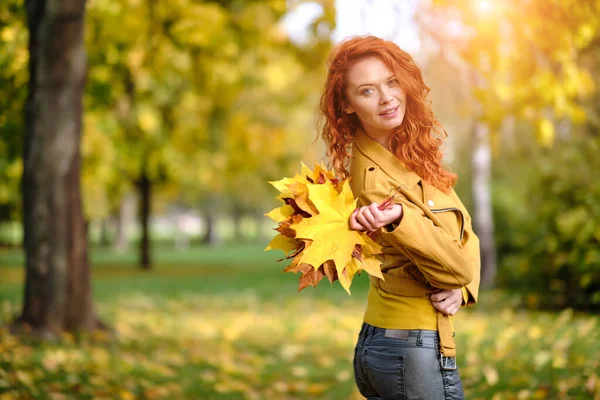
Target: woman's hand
371	218
447	301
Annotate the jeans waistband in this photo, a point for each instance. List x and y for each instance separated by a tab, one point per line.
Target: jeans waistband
418	337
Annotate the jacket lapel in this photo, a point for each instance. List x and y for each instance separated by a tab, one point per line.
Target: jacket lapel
431	198
386	160
428	193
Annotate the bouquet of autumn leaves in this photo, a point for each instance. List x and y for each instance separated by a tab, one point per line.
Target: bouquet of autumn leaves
314	231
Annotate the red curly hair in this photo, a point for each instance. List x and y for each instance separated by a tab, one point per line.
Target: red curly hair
416	142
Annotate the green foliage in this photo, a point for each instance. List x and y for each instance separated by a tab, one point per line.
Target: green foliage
13	90
234	327
534	64
548	229
205	97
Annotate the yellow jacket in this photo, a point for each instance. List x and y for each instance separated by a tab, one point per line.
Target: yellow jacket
433	246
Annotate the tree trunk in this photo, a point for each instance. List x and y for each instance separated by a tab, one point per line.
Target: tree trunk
58	286
125	218
120	243
216	121
211	236
237	223
4	242
104	232
144	186
482	201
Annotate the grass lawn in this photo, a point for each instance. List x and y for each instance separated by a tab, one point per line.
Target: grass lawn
226	323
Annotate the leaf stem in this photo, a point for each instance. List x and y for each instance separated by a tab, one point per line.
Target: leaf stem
389	200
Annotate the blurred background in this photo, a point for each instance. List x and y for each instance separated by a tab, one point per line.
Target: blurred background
138	272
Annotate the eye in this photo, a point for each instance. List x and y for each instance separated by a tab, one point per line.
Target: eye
393	81
367	92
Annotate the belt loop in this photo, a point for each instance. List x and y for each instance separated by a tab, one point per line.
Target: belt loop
367	335
362	329
368	332
420	338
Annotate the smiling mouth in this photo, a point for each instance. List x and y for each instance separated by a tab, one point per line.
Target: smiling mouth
389	112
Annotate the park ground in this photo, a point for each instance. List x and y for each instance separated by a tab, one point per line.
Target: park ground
227	323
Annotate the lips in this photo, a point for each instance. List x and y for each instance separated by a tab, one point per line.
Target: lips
389	111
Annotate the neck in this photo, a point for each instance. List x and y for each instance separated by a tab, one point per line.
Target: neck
380	136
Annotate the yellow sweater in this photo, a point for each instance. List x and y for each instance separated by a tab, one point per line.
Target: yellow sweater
433	245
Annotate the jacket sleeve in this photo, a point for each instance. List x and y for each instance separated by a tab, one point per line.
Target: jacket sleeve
470	291
446	262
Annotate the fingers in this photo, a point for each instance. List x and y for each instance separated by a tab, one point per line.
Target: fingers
450	294
365	217
371	218
355	224
374	208
446	301
439	296
448	309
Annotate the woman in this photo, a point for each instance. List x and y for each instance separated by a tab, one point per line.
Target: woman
375	103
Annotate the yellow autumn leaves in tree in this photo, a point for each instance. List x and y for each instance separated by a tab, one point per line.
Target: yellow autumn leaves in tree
313	229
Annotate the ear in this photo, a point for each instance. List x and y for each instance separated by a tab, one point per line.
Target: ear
347	107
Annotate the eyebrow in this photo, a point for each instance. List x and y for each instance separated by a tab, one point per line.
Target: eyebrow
372	84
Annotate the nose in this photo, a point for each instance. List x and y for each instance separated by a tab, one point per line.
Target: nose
386	97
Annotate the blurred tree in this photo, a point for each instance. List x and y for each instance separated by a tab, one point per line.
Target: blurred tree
523	61
274	113
137	78
261	85
191	98
547	214
13	84
57	289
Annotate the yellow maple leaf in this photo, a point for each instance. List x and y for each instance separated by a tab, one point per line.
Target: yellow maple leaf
346	191
284	190
306	172
367	262
332	238
280	214
345	277
314	230
300	196
281	242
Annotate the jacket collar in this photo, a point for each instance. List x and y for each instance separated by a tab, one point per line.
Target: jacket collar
385	159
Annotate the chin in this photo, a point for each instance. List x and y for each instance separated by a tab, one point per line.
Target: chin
395	123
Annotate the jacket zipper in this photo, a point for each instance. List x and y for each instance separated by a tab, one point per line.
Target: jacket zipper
462	218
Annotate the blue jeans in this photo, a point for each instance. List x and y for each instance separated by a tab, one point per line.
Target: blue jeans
404	365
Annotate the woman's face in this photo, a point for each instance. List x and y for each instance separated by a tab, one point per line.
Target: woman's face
375	95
